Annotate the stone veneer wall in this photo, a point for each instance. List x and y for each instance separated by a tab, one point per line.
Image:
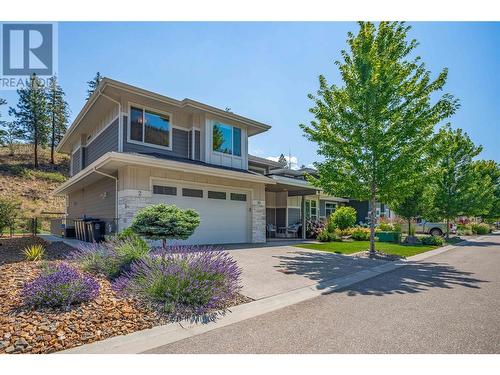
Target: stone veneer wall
258	221
129	201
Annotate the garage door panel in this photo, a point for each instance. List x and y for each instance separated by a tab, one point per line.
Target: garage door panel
221	221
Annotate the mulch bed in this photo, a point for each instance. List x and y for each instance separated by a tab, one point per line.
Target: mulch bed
11	249
24	330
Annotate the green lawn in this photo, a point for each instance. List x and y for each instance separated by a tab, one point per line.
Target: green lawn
356	246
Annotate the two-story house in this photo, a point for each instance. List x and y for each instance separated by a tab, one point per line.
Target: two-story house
131	148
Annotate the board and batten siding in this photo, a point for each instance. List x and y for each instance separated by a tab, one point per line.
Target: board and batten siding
105	142
180	147
96	200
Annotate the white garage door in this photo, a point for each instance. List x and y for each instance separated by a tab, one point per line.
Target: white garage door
223	212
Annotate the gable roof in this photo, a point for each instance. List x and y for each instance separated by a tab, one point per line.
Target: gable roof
254	127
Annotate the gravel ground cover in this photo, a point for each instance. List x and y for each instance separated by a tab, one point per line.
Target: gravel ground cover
47	330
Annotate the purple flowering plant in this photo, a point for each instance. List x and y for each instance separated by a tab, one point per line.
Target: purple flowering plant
59	285
183	281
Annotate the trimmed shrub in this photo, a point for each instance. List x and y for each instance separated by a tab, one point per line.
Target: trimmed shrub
164	222
432	240
481	228
385	227
59	286
360	234
326	236
342	218
34	252
181	281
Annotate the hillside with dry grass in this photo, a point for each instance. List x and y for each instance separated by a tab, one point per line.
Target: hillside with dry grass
31	187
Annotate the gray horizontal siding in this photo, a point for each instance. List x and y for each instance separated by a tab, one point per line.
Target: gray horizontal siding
105	142
180	146
96	200
76	161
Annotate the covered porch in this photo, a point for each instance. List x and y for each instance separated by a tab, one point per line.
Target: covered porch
288	207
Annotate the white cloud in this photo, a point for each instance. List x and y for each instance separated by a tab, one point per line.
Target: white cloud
292	160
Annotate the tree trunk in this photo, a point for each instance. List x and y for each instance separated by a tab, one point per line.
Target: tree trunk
36	152
53	140
373	202
409	227
447	229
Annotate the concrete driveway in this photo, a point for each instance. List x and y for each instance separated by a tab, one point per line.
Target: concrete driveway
272	270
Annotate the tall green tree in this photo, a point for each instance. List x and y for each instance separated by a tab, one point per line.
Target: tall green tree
490	169
374	131
9	136
411	206
30	115
58	112
458	187
93	83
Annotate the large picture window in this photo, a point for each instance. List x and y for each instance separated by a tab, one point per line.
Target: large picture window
149	127
226	139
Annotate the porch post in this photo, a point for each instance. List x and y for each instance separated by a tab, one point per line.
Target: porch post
303	214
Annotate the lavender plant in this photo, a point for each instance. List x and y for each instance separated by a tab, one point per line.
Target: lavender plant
59	286
110	258
183	281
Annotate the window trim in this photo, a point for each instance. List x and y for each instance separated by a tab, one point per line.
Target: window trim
154	111
333	210
215	122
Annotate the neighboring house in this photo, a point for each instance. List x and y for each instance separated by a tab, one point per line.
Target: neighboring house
131	148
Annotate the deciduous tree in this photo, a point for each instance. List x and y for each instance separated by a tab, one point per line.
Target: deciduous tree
458	186
374	130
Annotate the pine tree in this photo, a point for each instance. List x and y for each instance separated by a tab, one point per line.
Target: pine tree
30	115
282	160
93	83
374	131
58	112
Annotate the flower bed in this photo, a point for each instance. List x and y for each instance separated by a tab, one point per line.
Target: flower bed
42	328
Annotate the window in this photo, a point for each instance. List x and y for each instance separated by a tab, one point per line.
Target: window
164	190
238	197
149	127
216	194
226	139
314	210
329	208
311	210
195	193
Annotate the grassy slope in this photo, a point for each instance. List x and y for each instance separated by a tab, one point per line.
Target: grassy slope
356	246
32	188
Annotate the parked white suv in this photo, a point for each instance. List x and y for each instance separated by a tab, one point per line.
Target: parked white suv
432	228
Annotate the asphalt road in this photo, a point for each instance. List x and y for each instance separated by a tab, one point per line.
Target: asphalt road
449	303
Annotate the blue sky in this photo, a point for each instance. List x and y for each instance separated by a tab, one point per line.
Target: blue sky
265	70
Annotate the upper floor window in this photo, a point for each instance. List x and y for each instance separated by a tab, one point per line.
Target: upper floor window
227	139
150	127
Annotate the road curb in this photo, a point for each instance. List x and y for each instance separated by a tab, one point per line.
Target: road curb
142	341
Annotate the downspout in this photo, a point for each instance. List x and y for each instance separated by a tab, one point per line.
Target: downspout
116	192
